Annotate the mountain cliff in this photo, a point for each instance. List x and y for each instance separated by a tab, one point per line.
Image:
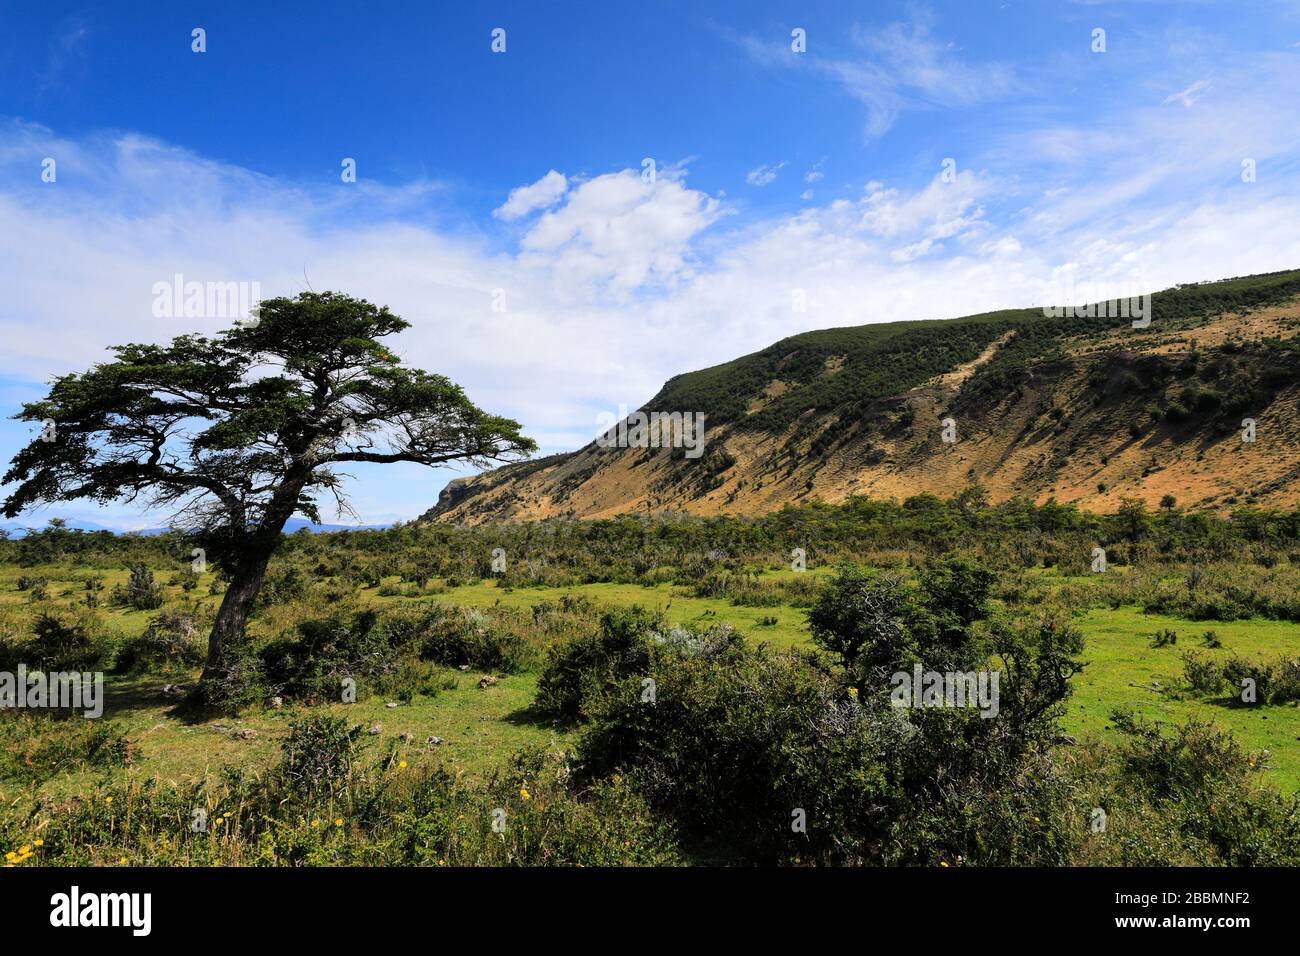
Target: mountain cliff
1083	408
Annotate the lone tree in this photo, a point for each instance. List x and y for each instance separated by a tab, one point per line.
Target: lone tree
238	432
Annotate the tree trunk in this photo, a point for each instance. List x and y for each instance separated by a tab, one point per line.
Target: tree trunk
246	581
248	572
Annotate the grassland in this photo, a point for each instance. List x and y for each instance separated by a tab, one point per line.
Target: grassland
480	726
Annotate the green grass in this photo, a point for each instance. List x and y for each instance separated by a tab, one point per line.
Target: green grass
788	631
480	727
1124	671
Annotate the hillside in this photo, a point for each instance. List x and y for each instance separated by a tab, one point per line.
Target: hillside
1082	409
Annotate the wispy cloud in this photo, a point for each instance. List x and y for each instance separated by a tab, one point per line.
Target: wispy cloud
763	175
67	50
899	67
1189	95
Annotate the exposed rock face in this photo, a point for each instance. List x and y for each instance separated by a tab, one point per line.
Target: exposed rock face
1083	410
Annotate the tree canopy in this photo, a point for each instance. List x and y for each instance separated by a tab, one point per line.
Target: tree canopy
236	432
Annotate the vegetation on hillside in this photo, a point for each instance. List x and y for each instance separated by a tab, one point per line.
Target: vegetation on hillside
872	362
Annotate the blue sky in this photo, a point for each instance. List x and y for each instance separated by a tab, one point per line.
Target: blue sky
781	177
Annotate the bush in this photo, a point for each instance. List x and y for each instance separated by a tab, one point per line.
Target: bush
469	637
239	683
35	748
141	592
412	678
1203	673
60	643
1166	638
579	669
738	745
186	580
859	617
319	755
1275	681
173	639
283	586
312	665
734	747
1194	797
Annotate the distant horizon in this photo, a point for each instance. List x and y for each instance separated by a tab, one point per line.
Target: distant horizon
80	524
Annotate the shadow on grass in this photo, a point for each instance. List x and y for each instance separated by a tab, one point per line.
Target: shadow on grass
125	693
530	716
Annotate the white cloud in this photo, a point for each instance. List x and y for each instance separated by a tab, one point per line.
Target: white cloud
543	194
898	67
620	232
763	175
1189	95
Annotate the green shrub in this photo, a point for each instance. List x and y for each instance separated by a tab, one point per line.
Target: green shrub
1165	638
413	677
186	580
173	639
34	748
60	643
283	586
1205	802
319	754
470	637
737	746
311	665
860	618
141	591
1203	673
240	682
579	669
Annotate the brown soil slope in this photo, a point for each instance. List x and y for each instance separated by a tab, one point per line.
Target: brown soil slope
1085	416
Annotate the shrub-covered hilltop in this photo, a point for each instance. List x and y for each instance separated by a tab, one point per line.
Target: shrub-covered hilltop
1085	410
674	691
